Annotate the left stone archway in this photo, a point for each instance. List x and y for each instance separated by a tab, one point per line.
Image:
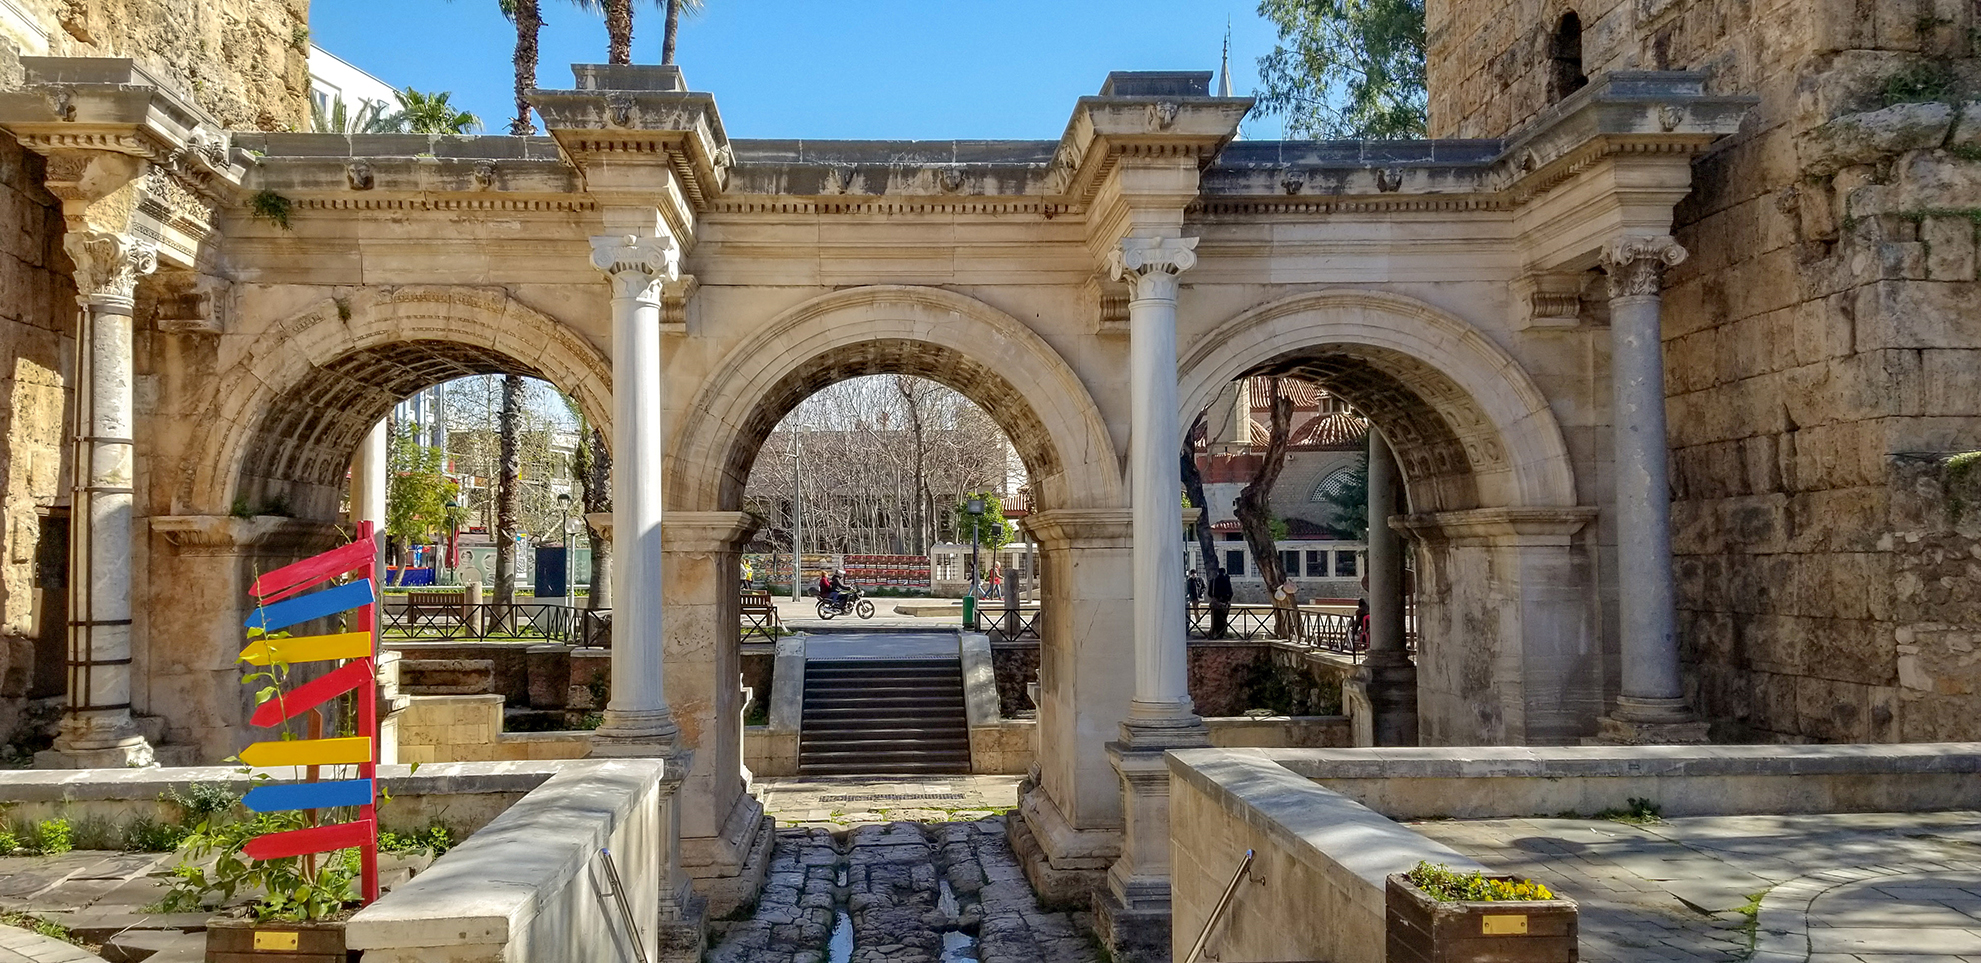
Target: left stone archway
289	410
275	426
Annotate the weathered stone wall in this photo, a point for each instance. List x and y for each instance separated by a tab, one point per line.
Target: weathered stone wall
36	342
246	61
1822	329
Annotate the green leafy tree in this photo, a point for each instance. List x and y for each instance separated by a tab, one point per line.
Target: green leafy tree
370	118
1348	509
1346	68
992	528
418	493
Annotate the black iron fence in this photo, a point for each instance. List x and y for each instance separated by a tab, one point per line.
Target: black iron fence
450	621
1010	625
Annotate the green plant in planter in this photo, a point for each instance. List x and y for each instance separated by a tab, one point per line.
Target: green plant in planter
1447	885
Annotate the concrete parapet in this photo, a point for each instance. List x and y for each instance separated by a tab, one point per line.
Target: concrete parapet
1315	886
533	884
1503	782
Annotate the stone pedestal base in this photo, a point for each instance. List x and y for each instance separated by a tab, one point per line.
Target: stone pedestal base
1065	866
1135	932
729	870
1388	694
1650	722
132	752
1613	731
684	933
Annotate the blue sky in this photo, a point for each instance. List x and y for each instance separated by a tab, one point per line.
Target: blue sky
881	69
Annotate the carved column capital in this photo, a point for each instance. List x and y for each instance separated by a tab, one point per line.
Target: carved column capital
637	265
108	267
1151	264
1636	264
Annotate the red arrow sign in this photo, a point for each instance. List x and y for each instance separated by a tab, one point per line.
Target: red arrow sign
311	694
297	576
319	839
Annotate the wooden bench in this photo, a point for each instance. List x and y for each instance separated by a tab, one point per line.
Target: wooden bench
760	615
421	606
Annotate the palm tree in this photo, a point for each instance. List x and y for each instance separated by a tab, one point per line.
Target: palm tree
527	15
509	492
370	118
674	11
431	114
619	31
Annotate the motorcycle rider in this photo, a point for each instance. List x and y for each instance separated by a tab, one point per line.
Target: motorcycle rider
838	589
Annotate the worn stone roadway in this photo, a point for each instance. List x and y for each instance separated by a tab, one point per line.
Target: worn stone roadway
1853	888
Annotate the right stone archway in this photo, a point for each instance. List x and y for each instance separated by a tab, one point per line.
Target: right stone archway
1511	647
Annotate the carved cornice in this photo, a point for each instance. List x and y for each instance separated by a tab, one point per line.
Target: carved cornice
226	535
1063	528
705	532
556	205
1151	264
108	267
637	265
1498	526
1637	263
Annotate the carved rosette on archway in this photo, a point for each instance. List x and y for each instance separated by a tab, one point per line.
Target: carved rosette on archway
1637	264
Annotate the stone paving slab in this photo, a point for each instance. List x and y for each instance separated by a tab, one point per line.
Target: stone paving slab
21	946
1850	888
842	802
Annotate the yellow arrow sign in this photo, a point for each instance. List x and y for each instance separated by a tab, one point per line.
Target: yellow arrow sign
309	752
308	648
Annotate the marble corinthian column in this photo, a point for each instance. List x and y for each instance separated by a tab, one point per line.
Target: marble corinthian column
98	731
1651	707
1161	711
637	714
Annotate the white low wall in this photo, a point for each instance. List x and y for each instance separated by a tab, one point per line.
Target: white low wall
1512	781
463	796
1315	890
531	885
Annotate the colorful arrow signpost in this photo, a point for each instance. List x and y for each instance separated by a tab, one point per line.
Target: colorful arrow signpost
280	604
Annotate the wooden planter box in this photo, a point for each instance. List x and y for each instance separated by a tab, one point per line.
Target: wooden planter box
245	941
1421	929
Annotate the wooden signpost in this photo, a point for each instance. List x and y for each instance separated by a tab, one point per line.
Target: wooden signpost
281	603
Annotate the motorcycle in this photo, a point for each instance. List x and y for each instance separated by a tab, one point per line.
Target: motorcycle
852	602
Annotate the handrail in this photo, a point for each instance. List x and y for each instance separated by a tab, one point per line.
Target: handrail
625	910
1217	912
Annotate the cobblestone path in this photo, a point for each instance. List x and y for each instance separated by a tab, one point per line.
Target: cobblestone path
900	893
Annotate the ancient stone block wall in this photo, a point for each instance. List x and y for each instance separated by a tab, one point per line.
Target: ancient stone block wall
246	61
37	308
1823	329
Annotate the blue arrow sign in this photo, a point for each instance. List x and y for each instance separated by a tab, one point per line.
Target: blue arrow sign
316	605
309	795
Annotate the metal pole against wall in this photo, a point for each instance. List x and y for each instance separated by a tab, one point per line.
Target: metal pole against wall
797	518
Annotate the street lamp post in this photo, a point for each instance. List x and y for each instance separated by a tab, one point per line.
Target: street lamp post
453	553
570	562
797	517
975	509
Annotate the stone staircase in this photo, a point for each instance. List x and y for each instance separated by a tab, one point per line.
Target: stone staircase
880	717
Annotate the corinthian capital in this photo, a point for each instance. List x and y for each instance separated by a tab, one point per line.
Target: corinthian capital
638	265
1151	264
108	266
1636	264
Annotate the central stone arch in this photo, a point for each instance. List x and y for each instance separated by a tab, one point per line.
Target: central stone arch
1509	605
983	353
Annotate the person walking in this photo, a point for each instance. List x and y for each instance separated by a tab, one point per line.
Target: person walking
1193	587
1220	602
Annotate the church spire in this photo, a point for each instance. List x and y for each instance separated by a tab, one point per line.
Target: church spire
1224	75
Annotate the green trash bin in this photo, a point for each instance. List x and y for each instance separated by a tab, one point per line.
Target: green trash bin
970	612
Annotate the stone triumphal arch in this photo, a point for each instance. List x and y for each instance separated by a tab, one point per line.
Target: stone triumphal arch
255	301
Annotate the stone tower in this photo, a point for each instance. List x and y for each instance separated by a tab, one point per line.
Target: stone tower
1823	344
